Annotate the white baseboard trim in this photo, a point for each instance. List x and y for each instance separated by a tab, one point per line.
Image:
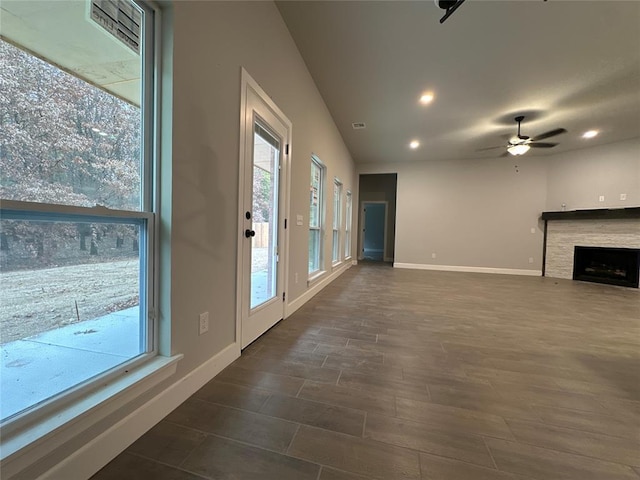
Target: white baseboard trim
457	268
86	461
290	308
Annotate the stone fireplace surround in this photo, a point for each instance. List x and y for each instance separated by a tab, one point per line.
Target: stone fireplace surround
592	228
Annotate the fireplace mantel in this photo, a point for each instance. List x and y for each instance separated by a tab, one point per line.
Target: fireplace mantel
593	214
601	227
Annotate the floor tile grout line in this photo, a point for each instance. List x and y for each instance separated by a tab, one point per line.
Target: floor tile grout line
495	465
319	472
266	415
565	452
286	452
179	468
324	361
364	423
566	427
300	389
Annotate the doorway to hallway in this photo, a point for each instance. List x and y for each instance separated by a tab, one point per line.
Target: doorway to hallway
377	219
374	220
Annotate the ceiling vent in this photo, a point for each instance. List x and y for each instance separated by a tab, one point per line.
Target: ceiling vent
358	125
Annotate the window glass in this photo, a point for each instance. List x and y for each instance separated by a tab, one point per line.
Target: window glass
315	216
348	220
337	219
76	130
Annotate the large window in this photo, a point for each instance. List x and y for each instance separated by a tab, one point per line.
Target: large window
77	216
347	226
337	220
316	195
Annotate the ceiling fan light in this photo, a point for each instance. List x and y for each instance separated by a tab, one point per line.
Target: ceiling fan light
520	149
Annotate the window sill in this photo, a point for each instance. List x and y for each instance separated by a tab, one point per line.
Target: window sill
315	278
336	264
25	446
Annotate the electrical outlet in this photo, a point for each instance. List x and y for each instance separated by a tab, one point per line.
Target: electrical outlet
623	196
530	259
433	255
601	199
204	323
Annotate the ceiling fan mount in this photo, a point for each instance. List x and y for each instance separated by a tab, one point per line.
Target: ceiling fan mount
519	119
520	144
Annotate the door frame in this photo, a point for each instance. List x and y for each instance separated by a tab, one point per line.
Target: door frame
248	84
361	227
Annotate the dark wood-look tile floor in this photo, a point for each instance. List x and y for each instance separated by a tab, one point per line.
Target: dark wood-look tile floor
401	374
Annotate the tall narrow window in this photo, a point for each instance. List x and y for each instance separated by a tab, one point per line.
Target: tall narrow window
77	198
316	194
347	226
337	220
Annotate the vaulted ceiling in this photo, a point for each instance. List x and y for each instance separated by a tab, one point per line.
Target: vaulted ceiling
569	64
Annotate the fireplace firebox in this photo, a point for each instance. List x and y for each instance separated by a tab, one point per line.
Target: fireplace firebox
614	266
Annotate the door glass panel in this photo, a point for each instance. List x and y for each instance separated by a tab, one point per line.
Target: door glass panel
264	245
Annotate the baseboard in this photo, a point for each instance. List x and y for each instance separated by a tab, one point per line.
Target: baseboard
86	461
290	308
457	268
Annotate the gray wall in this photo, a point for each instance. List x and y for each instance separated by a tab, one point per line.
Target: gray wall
579	178
213	40
480	213
380	187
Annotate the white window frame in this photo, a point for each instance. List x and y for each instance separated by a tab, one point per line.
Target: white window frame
336	251
315	274
348	225
15	428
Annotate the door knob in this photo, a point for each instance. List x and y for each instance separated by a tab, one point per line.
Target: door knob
249	233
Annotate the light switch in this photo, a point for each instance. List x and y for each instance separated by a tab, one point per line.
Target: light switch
299	220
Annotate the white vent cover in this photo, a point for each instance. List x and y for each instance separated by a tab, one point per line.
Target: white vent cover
121	18
358	125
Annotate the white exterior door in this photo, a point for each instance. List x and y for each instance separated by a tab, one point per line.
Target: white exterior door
266	133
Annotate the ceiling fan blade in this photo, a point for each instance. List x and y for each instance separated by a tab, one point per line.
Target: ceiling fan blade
542	145
489	148
550	133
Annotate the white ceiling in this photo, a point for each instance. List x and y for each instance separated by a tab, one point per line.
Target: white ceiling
63	33
570	64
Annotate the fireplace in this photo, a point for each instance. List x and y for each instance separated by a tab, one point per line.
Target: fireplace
615	266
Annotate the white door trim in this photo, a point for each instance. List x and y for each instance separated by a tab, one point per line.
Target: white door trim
362	226
248	84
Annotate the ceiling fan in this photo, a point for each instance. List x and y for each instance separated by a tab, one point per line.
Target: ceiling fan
520	144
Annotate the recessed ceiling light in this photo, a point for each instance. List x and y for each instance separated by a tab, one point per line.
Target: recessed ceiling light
590	134
426	98
414	144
